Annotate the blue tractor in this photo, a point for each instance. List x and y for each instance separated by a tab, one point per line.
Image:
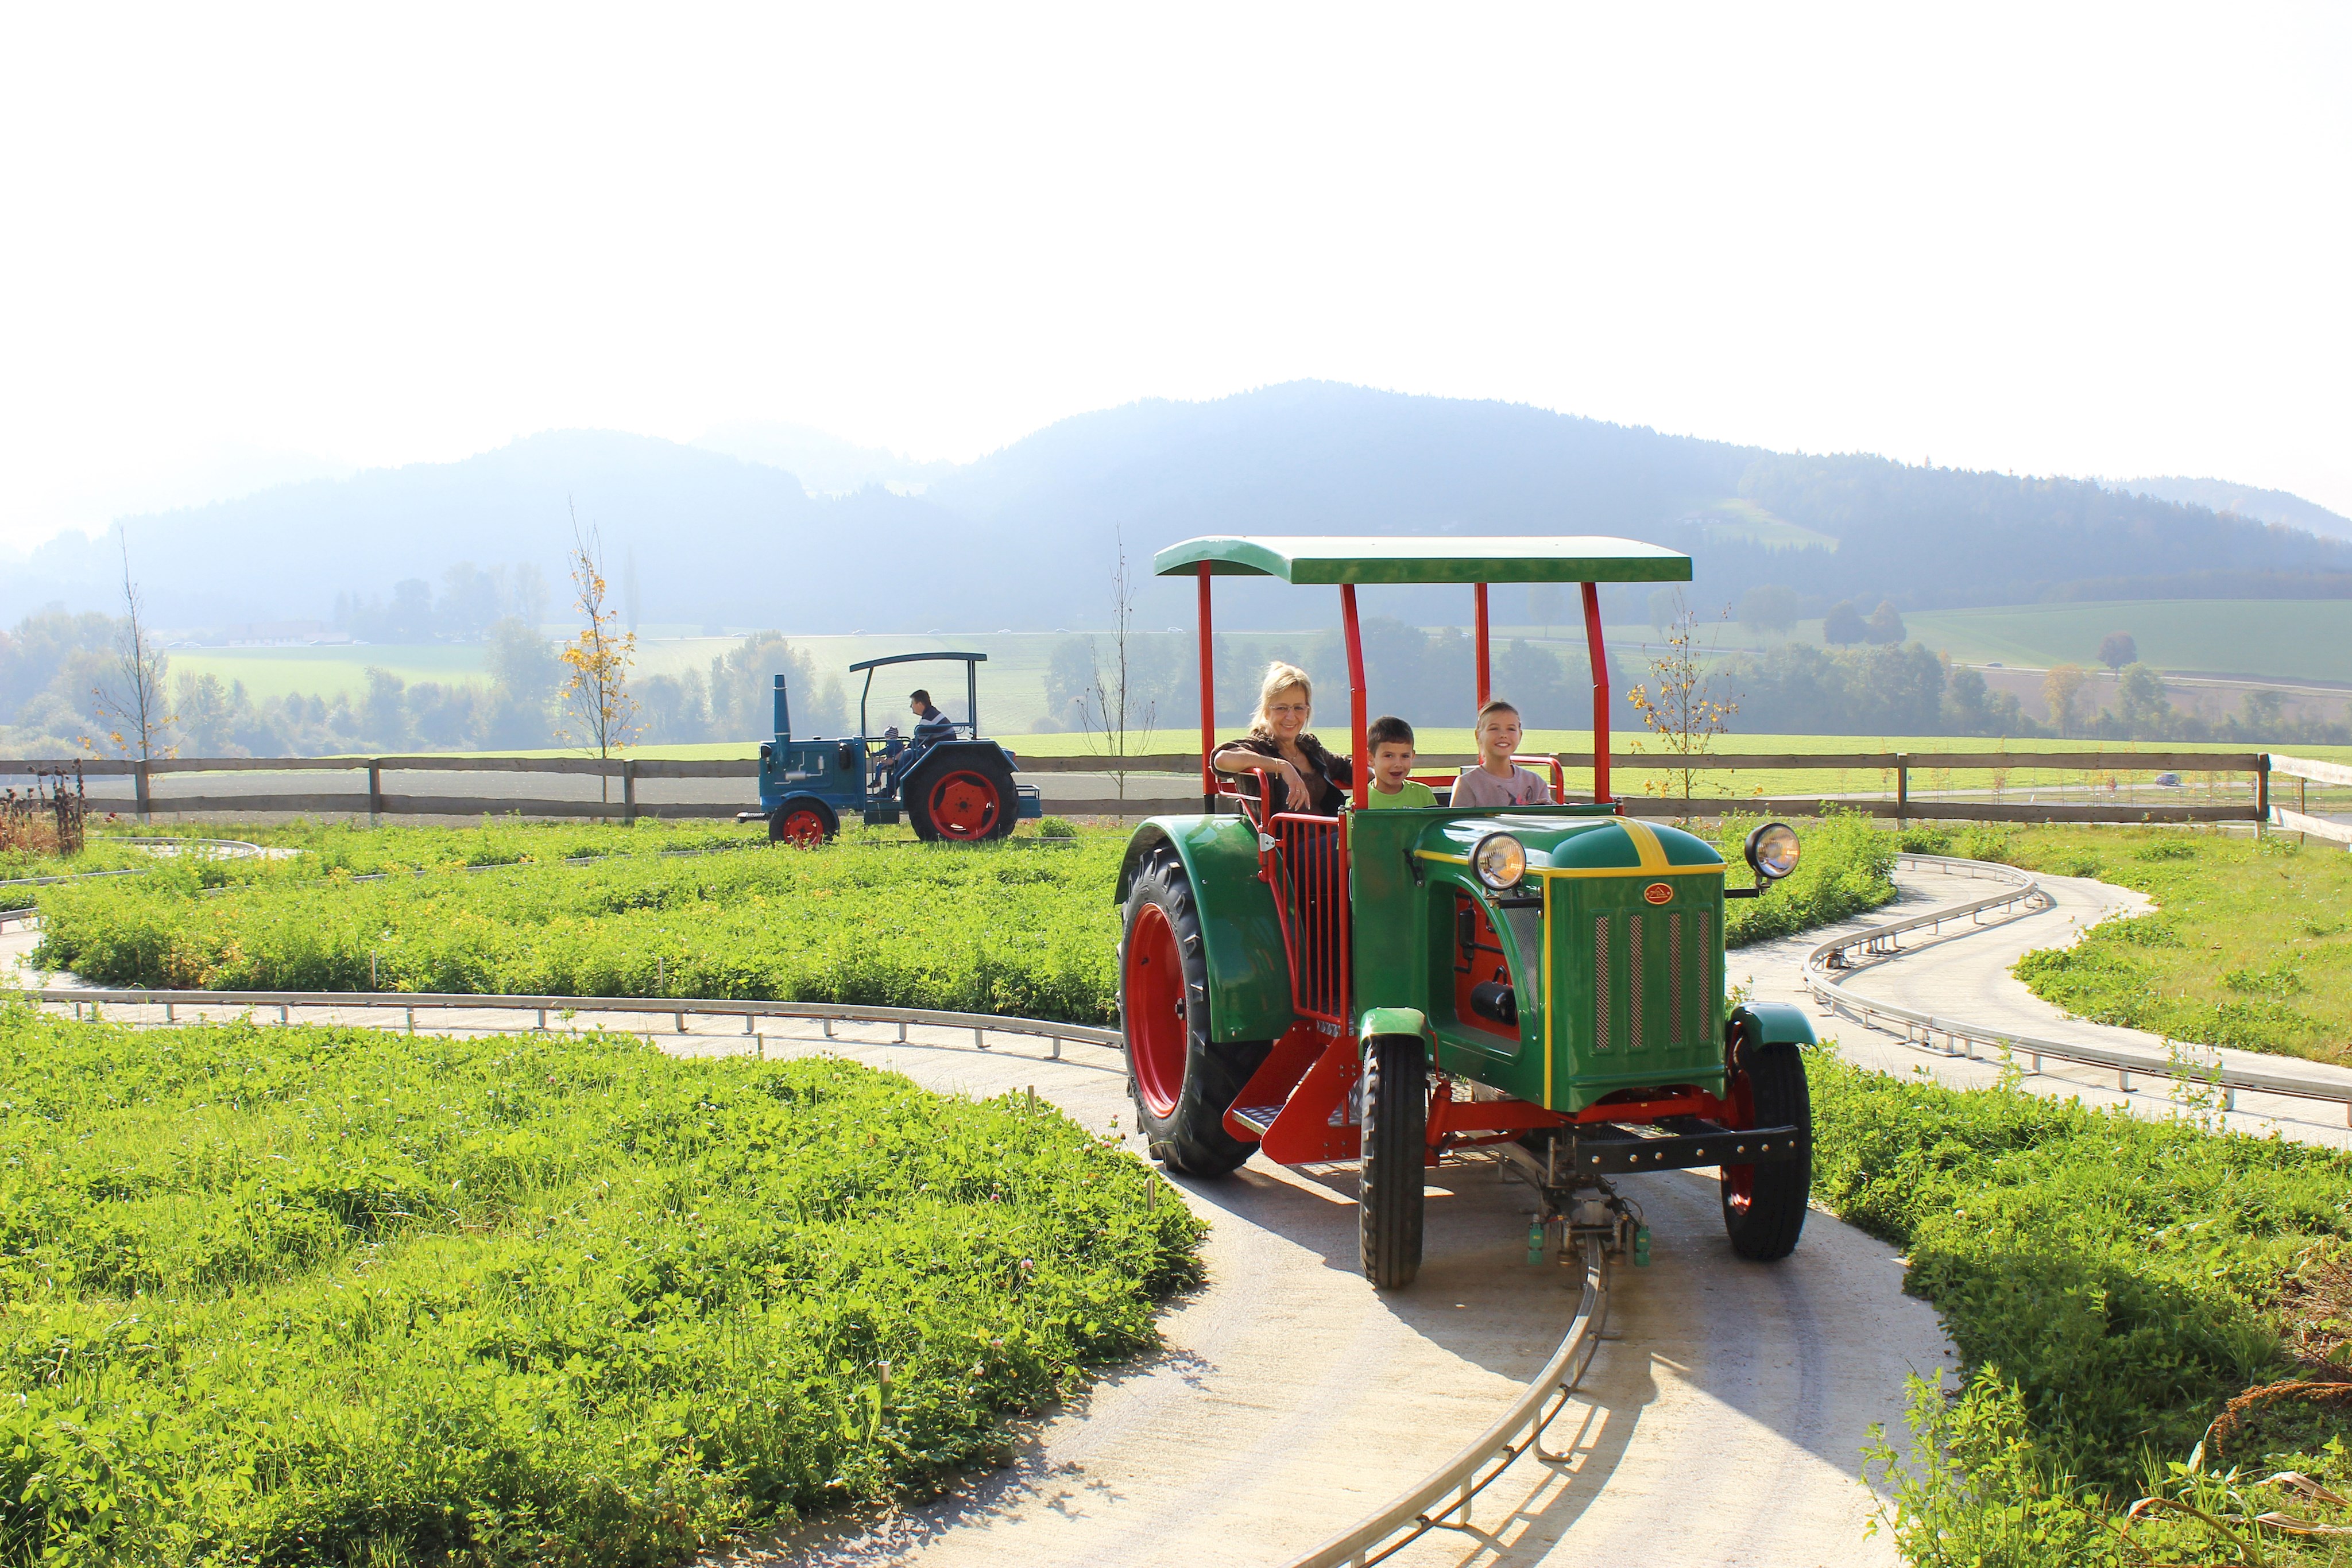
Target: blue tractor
958	790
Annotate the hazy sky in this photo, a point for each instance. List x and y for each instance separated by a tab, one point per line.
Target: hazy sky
243	245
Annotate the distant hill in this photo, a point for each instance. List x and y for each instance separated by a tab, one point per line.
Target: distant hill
2263	506
1025	537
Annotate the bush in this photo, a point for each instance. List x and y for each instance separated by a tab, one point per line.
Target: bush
328	1296
1847	867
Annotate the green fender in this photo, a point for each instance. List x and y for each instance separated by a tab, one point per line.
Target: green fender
1249	970
1775	1023
1392	1021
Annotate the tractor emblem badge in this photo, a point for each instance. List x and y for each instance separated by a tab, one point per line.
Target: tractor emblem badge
1658	892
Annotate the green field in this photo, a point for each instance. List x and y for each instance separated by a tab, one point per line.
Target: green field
337	1296
2279	639
271	672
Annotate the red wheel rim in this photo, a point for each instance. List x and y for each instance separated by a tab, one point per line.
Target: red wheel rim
1740	1181
963	805
802	828
1157	1034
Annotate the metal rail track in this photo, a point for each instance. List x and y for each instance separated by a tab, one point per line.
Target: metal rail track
1450	1488
678	1008
2189	1064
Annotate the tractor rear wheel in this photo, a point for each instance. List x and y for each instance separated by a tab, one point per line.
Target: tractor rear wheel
1182	1081
962	798
1764	1205
1388	1198
804	824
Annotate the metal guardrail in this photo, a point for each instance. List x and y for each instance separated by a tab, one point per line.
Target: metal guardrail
1962	1037
1413	1515
680	1009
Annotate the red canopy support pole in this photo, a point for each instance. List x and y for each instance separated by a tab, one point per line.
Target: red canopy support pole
1208	699
1479	620
1598	654
1356	721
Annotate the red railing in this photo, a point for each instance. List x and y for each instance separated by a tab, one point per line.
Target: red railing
1312	854
1304	859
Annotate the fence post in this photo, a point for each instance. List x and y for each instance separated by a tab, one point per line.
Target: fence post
376	791
140	788
629	790
1901	788
2262	788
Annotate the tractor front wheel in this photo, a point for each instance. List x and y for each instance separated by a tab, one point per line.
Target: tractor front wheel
802	824
1389	1199
1182	1082
1764	1205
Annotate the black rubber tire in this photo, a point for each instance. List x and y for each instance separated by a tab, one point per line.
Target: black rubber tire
1766	1226
915	793
1191	1138
1389	1201
783	812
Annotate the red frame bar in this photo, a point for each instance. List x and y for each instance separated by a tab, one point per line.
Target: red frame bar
1598	654
1356	721
1479	616
1208	699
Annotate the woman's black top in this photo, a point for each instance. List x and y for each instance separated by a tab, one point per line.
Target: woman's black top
1328	780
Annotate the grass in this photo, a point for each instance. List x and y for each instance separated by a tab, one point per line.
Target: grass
2111	1283
1012	928
331	1296
1017	928
2251	945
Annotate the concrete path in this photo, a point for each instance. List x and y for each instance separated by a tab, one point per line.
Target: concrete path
1289	1398
1965	974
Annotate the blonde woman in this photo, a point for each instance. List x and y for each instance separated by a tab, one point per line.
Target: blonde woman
1312	779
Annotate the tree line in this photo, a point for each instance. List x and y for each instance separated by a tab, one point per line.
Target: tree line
53	665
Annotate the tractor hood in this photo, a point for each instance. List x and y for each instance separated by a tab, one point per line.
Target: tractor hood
1589	846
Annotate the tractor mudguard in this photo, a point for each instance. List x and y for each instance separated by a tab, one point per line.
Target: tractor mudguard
1392	1021
1249	969
1775	1023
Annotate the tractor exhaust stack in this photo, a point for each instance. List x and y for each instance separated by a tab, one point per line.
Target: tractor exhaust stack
783	713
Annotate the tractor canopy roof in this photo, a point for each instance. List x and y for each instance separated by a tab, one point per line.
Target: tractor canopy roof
1451	557
915	659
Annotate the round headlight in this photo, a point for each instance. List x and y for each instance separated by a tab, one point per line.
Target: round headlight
1773	851
1500	861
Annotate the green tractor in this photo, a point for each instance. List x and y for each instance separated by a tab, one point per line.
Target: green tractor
1394	987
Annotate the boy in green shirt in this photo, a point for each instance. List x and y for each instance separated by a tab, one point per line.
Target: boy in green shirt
1389	740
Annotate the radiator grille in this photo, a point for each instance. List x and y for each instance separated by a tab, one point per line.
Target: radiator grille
1637	982
1600	984
1707	1001
1676	981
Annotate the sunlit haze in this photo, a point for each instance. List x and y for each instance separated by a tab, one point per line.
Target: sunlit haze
247	246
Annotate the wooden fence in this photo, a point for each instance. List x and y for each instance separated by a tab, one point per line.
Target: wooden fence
2307	771
1162	771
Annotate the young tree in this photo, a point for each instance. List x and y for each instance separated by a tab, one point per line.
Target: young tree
129	695
1843	624
1678	705
1116	709
598	712
2058	690
2117	648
